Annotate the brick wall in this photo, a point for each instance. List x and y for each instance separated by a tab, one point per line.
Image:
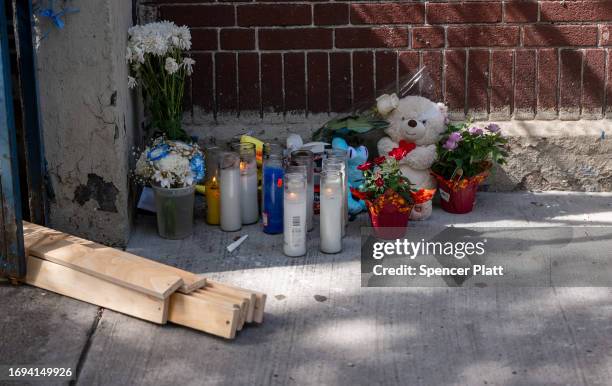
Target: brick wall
490	59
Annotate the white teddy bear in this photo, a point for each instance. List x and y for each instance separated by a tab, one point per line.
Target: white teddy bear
420	121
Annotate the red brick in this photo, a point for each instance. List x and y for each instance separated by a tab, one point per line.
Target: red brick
340	81
272	82
478	81
387	13
203	39
274	14
561	35
548	65
363	78
248	81
318	82
225	75
520	11
525	80
371	37
454	91
570	81
593	82
202	82
408	64
480	12
501	83
605	33
295	38
237	39
386	72
295	82
331	14
483	36
432	87
217	15
592	10
428	37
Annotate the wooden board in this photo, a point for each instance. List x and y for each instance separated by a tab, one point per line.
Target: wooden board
204	315
241	303
259	302
122	268
81	286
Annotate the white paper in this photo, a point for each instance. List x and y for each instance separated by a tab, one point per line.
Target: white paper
147	200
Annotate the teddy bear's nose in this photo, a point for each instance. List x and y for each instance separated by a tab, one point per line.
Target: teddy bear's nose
412	123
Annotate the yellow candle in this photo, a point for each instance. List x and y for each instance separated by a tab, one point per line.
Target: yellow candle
212	202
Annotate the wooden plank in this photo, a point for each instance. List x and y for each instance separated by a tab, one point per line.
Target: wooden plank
107	263
247	299
204	315
78	285
259	302
241	303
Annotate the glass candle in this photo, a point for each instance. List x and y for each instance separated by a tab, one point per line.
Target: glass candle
306	158
212	185
229	186
294	215
331	211
249	207
334	164
343	156
272	202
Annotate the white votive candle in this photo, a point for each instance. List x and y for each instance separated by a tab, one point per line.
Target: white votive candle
331	218
306	158
294	215
249	205
229	187
248	193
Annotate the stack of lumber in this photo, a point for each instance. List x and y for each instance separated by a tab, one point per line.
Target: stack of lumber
136	286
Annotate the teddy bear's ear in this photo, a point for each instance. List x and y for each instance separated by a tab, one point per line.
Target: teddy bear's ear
443	108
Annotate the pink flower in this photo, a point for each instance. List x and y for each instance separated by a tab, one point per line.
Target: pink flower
452	141
493	128
455	137
450	145
476	131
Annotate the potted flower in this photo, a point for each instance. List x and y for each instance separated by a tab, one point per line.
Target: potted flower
172	168
465	156
388	194
156	56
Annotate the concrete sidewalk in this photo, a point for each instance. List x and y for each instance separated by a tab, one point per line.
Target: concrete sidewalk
321	327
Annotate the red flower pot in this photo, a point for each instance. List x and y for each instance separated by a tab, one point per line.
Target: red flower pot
458	197
389	223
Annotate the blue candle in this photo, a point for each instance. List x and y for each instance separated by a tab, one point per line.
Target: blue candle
273	197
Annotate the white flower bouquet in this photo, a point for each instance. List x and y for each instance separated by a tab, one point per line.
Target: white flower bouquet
170	164
156	56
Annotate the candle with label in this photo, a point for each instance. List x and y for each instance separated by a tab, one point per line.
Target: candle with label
339	154
294	213
229	185
249	207
334	164
306	158
272	192
331	218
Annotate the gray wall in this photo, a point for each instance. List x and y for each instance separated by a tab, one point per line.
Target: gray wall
88	120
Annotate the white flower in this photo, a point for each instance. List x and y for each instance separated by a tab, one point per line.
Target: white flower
387	103
132	82
171	65
188	63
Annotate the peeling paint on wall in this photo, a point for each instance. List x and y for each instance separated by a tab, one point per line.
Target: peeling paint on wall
104	193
